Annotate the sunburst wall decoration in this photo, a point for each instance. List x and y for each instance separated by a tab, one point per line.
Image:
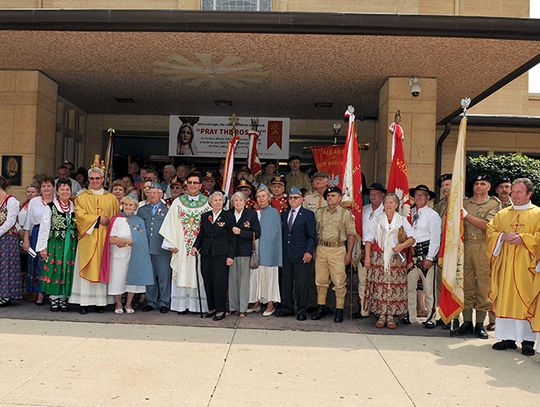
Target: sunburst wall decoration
207	70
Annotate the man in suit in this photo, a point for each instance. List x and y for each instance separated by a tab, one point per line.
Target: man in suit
153	214
299	239
217	245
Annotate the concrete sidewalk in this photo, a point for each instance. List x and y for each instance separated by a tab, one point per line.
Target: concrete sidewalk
53	363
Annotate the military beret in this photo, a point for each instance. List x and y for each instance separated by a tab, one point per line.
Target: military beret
442	178
330	190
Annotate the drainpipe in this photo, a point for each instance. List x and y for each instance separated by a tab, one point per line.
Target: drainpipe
438	157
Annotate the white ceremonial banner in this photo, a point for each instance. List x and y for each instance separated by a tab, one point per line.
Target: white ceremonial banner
207	136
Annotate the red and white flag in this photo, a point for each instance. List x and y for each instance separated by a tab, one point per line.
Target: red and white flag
229	166
398	181
253	162
351	178
451	254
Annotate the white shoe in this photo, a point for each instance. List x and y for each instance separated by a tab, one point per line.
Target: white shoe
269	313
255	309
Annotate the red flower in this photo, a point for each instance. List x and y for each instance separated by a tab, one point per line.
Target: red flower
210	218
51	261
72	262
58	261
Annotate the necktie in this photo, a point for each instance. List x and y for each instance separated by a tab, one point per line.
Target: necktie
291	219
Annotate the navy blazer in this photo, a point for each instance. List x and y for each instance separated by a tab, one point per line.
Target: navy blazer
153	225
301	238
248	225
216	239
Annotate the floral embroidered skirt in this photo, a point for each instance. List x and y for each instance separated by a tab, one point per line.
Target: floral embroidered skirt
386	292
11	284
57	272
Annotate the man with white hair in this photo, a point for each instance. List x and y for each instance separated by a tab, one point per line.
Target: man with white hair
158	295
168	173
93	210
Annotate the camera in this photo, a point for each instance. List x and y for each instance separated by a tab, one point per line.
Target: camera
415	87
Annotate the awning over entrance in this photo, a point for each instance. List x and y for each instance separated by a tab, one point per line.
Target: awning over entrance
276	64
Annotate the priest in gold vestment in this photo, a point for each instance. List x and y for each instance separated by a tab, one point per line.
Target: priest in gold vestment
513	250
93	211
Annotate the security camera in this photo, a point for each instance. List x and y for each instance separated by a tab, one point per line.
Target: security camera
415	87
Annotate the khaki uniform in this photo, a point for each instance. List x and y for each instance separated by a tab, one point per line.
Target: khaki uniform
313	201
333	228
476	279
505	205
441	208
299	180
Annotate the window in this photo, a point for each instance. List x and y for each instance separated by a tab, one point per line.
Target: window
534	73
237	5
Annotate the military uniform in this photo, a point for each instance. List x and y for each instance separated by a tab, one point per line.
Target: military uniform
159	294
441	207
280	203
476	280
299	180
333	228
314	201
505	204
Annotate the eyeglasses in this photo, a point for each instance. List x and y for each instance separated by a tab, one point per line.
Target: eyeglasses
94	178
192	182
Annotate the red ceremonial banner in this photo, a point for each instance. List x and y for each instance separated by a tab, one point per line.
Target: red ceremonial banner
275	133
330	160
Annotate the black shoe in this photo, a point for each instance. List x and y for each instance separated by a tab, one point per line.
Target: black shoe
55	305
100	310
163	309
83	310
445	327
527	348
429	325
283	313
219	317
358	315
338	315
466	328
148	308
320	313
505	344
4	302
480	331
405	320
63	305
210	314
301	317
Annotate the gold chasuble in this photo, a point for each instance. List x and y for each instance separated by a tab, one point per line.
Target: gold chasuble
89	206
515	282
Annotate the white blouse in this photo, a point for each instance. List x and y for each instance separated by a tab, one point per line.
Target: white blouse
12	205
45	226
36	209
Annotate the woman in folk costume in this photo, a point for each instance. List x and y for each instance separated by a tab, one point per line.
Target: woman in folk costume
126	265
32	191
264	281
386	263
179	230
94	209
10	262
57	244
36	209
